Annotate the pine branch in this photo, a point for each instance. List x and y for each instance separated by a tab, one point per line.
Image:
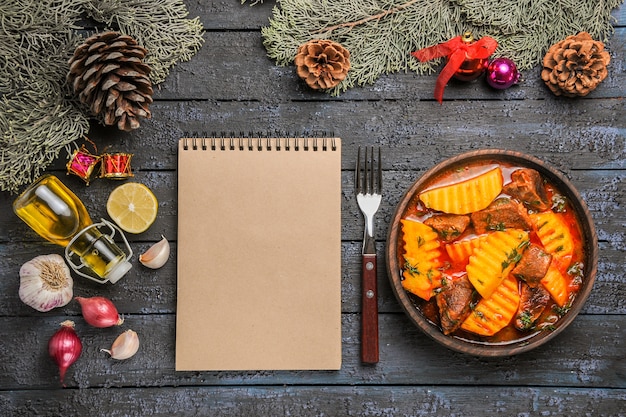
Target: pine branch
378	16
38	117
380	42
161	27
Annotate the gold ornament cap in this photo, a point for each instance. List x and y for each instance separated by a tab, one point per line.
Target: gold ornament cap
467	37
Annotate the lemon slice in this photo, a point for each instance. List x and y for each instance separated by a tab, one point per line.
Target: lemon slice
133	207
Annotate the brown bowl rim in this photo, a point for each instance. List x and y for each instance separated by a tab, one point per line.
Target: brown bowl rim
590	247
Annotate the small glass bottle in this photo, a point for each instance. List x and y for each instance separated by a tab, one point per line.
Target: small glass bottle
58	215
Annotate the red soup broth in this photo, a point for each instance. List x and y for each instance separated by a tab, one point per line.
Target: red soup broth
573	273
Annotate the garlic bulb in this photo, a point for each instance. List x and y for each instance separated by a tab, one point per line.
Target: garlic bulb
125	346
156	256
45	283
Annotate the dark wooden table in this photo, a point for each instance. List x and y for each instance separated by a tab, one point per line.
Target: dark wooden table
232	86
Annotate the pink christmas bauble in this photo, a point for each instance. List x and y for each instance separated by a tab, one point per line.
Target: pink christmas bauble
502	73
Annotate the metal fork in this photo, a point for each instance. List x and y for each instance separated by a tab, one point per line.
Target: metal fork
368	188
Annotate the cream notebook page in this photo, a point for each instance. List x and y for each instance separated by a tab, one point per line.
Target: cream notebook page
259	254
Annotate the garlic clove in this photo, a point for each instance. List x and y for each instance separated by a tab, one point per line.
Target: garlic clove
45	283
156	256
125	346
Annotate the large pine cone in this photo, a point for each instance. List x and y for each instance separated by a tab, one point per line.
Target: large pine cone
322	64
575	66
109	76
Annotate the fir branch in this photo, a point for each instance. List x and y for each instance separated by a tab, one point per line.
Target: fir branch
161	27
37	120
38	115
378	16
381	34
377	46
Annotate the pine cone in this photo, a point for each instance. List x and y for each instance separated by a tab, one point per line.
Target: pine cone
322	64
109	76
575	66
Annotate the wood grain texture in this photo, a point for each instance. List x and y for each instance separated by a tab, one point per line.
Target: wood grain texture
253	77
370	352
144	291
416	401
589	353
602	190
568	134
231	86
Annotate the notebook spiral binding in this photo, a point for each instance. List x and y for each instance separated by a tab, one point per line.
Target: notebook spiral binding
260	142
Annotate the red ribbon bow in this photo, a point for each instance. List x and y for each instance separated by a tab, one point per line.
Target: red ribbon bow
456	50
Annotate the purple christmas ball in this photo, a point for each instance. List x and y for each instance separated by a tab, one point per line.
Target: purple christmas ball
502	73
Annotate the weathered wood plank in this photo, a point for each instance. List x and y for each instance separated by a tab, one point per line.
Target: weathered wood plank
569	134
602	190
232	15
145	291
231	64
590	353
232	86
235	66
218	15
415	401
620	16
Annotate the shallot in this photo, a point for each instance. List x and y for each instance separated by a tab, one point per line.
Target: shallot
99	312
65	347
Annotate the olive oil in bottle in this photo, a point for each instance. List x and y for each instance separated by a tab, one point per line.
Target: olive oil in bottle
58	215
52	210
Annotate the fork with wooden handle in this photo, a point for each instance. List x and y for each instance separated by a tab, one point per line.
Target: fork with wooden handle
368	187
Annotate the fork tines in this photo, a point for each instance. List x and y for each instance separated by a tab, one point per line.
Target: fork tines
368	183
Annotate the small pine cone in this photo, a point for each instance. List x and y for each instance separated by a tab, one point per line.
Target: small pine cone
109	76
575	66
322	64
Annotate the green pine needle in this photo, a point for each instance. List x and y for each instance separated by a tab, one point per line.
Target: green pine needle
381	34
39	116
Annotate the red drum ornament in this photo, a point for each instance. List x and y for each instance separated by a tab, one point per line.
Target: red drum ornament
116	166
466	58
82	164
502	73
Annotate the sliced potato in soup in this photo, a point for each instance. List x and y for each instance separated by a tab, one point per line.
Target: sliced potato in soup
466	196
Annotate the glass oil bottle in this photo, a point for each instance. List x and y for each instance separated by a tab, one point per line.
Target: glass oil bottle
57	214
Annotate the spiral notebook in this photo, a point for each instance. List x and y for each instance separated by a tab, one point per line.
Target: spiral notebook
259	254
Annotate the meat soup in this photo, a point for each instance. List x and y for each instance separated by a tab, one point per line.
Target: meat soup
491	252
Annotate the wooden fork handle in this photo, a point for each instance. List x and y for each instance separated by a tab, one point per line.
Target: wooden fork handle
369	318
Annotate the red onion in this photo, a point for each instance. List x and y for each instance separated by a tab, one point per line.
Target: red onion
65	347
99	312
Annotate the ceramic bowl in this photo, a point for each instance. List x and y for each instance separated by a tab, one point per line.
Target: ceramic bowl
413	307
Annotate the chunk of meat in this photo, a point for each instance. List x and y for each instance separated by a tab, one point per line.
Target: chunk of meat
502	214
455	302
533	300
448	226
533	265
527	186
